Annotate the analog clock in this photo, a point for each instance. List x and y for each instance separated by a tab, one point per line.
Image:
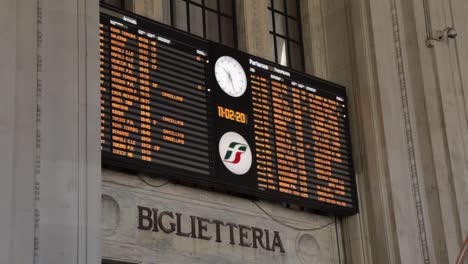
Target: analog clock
230	76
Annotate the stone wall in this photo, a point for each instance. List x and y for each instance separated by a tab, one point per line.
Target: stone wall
49	132
311	240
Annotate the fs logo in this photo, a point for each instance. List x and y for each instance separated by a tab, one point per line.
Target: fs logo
235	153
238	149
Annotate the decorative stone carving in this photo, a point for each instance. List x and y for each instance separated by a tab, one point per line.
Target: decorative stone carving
110	217
308	249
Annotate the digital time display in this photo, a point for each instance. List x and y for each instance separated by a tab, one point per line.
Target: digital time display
178	106
232	115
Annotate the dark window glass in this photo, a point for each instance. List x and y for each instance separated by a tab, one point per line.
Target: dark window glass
116	3
213	4
280	24
212	28
211	19
285	28
108	261
226	6
296	56
180	11
196	20
279	5
293	30
226	37
292	8
270	24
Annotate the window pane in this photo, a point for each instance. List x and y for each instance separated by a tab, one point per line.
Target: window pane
279	5
180	16
196	20
286	33
213	4
116	3
227	33
105	261
280	24
296	56
225	6
212	27
281	51
205	18
273	49
292	7
166	13
293	29
270	21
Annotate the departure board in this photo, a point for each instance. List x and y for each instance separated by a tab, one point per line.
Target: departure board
178	106
300	136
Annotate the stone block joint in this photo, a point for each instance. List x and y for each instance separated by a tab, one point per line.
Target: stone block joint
409	133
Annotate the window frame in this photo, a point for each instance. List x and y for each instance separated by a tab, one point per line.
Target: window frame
287	38
121	5
112	261
205	8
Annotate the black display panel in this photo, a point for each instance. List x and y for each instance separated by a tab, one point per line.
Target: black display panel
181	107
154	107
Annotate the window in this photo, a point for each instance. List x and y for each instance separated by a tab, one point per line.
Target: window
285	28
108	261
210	19
116	3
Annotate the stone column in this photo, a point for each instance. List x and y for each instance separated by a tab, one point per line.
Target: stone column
252	28
444	71
49	132
391	216
69	173
17	130
412	124
458	8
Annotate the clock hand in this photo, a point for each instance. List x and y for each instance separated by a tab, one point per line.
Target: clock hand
232	83
230	78
227	72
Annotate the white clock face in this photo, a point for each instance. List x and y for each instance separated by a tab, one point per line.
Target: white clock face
230	76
